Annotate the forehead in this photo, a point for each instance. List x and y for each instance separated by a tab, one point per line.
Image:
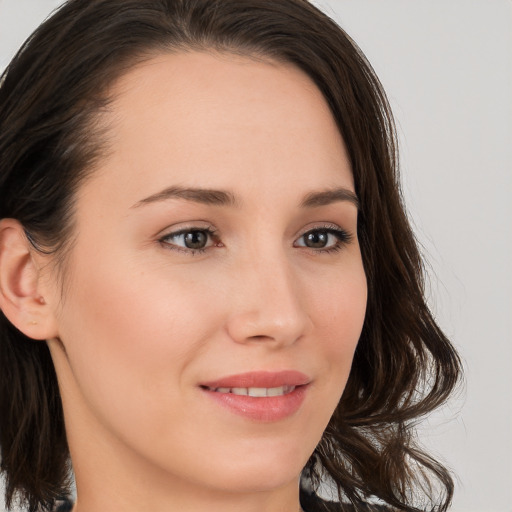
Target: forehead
219	120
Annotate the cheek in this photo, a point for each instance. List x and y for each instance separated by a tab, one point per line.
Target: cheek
130	337
340	308
339	303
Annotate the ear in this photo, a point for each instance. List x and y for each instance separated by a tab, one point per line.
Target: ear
20	283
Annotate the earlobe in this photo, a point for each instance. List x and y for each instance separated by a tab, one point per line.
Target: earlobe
20	297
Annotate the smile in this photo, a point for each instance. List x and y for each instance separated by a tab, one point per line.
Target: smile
261	396
255	392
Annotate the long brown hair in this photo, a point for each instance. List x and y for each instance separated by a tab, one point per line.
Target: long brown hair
50	96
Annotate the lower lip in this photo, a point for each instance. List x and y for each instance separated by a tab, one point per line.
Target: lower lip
264	409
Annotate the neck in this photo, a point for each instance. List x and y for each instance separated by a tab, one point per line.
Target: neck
99	493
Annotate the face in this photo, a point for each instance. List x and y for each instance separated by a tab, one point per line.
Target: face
216	260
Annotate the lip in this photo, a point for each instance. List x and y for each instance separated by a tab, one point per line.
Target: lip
260	409
260	379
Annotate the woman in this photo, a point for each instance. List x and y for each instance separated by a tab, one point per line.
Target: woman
209	287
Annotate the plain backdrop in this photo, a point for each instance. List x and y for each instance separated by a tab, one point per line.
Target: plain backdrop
447	68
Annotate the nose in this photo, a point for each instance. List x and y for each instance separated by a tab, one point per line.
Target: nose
266	304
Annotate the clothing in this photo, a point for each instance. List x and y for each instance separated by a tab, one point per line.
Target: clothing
63	505
310	502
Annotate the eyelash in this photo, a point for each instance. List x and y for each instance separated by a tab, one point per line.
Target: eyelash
342	236
211	233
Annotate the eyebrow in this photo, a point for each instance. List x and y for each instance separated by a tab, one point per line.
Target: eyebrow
226	198
326	197
196	195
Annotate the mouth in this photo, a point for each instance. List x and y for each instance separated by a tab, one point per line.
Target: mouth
260	396
278	382
254	392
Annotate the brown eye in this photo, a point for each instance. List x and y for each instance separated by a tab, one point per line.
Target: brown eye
195	239
316	239
189	240
324	240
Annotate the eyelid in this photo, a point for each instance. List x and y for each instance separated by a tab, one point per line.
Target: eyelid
176	231
343	236
319	226
328	226
185	227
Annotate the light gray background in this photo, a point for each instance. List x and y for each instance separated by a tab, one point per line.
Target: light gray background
447	68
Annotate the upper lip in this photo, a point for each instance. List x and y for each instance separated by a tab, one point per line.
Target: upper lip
260	379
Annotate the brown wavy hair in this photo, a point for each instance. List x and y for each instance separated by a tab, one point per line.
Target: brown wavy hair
51	96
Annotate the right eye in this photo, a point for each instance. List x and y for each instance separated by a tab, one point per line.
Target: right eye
190	240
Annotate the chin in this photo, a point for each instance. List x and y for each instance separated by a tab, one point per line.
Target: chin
265	469
257	480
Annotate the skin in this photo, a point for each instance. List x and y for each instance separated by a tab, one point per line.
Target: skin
143	320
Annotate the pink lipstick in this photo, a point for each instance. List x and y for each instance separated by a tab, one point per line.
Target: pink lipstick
260	396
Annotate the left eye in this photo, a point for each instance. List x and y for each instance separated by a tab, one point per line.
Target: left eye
322	239
192	239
